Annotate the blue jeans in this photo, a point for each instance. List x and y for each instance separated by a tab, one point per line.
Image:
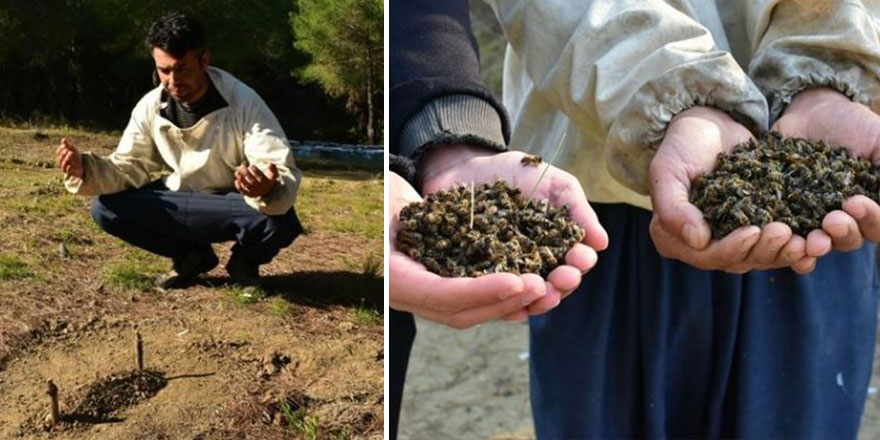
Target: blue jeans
650	347
174	223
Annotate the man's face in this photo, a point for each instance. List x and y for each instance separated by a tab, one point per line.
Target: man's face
184	78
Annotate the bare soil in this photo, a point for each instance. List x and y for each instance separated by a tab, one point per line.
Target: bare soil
302	357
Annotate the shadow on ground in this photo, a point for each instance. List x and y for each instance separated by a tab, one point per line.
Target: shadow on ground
320	289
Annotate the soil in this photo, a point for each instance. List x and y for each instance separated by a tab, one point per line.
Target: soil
490	228
296	361
775	179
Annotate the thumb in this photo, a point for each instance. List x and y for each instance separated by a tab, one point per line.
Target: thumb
671	203
273	172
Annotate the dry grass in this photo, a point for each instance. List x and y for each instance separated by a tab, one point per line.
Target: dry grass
310	294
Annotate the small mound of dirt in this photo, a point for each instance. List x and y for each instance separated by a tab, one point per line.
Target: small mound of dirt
790	180
119	391
101	401
504	232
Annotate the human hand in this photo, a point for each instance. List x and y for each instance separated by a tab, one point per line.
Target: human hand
250	181
690	147
69	159
457	302
827	114
463	164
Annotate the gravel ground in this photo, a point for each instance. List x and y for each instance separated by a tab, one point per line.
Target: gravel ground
473	384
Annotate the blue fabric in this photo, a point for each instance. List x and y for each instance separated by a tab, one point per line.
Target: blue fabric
173	223
650	347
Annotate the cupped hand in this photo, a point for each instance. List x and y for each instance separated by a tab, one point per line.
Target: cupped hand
69	159
457	302
252	182
690	147
826	114
450	165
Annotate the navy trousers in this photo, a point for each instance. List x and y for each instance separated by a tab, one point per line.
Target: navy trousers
172	223
648	347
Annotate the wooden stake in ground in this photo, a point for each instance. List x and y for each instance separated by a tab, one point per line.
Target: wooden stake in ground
53	394
139	348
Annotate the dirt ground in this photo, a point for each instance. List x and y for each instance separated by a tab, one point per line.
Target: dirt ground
300	357
473	384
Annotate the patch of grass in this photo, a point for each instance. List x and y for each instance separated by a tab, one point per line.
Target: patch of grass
246	295
12	268
373	266
365	315
129	275
299	422
344	206
279	307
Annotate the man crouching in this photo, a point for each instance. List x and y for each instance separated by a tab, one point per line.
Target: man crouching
228	170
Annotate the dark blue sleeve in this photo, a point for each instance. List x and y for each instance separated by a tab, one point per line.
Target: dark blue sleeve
432	54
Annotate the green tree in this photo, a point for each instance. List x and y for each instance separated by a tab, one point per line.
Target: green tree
345	41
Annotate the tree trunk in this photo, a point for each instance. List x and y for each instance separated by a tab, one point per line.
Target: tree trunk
370	131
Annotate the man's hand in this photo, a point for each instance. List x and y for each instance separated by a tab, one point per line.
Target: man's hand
456	302
462	164
250	181
829	115
690	147
69	159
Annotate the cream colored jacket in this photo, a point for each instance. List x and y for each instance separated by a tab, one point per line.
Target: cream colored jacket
613	73
202	157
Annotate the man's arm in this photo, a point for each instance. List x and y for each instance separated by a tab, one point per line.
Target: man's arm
436	95
818	63
130	166
807	44
626	68
267	149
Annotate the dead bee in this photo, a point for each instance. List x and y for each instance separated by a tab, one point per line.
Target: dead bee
530	161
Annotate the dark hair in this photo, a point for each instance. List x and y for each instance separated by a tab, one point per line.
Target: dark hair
176	33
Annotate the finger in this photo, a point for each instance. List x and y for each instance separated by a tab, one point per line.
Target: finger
670	200
272	172
818	243
248	178
581	257
424	290
256	173
517	316
561	188
774	236
564	279
471	317
805	265
794	251
866	213
843	230
730	251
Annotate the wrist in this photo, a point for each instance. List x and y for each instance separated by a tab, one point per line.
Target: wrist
441	158
809	99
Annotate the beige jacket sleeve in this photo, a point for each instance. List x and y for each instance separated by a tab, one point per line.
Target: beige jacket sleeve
265	143
625	68
800	44
128	167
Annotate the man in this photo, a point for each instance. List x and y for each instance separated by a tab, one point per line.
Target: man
228	170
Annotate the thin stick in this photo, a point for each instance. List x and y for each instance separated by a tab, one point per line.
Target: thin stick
139	348
53	394
546	167
472	204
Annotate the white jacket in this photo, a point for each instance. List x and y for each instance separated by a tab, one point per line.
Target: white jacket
613	73
200	158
